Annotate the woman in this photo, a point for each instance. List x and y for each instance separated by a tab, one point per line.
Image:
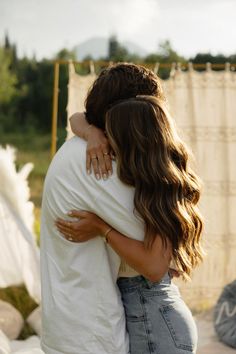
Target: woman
151	157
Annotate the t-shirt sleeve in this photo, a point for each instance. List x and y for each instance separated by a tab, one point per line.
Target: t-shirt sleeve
114	204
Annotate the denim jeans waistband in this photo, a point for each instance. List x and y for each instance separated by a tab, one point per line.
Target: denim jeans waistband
140	280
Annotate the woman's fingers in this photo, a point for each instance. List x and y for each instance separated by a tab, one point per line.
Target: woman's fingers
100	160
108	163
92	162
95	167
77	214
73	235
102	165
88	163
66	226
67	233
64	230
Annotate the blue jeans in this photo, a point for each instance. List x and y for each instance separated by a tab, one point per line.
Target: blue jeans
158	321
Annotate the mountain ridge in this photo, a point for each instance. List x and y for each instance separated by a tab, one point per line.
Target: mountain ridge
97	47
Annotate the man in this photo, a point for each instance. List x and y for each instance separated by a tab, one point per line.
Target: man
81	307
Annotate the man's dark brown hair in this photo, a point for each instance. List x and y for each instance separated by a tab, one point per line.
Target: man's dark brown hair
120	81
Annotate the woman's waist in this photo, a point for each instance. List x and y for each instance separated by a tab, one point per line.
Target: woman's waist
125	271
140	282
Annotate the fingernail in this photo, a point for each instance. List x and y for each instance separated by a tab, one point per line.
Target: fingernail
69	213
98	176
88	172
104	176
109	173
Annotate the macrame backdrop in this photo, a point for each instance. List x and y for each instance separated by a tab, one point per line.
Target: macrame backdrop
77	91
203	105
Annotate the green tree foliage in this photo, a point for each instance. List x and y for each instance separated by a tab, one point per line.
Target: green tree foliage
165	54
116	52
7	78
66	54
28	100
202	58
33	104
7	44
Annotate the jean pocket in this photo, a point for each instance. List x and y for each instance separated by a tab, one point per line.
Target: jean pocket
181	325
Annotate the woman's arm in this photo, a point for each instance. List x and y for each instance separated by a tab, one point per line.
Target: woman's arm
79	125
152	263
98	154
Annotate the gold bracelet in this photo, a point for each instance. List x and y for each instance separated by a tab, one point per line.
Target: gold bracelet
106	233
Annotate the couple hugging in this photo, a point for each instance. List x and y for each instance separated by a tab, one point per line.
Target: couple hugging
110	246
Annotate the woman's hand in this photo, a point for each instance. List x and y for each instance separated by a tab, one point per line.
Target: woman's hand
88	227
99	153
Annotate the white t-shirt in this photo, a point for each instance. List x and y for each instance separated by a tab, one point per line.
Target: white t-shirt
82	311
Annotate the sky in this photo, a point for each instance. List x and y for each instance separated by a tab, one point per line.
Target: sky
43	27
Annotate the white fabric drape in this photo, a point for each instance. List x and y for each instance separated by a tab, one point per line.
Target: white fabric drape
203	105
19	253
78	87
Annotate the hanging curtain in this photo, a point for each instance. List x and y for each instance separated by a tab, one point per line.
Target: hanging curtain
78	87
203	105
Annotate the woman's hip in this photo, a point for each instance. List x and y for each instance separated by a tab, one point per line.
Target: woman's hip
158	321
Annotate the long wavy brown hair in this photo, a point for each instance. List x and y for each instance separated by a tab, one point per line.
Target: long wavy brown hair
152	158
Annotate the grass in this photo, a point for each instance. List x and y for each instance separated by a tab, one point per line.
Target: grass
36	149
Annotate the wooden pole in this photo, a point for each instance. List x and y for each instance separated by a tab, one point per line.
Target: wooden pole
55	109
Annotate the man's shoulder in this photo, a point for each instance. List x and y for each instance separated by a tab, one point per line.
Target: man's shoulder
71	153
74	143
75	147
